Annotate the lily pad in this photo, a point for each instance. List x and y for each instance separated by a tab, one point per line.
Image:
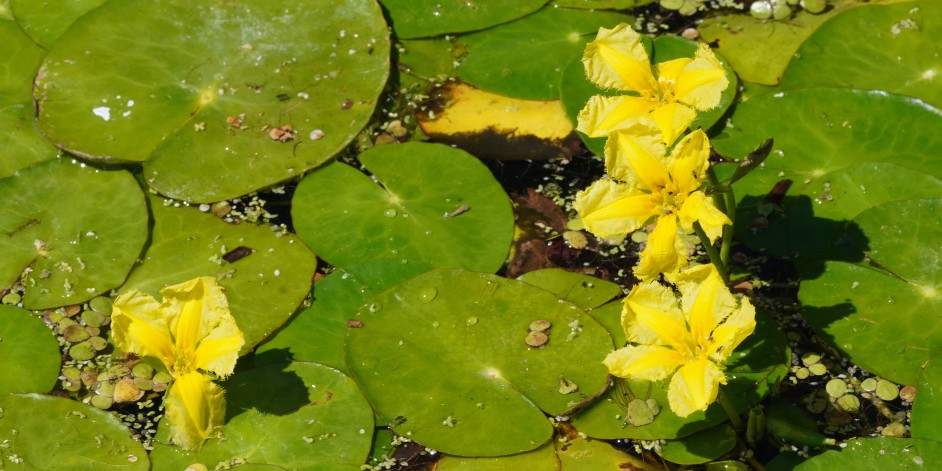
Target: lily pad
22	145
753	371
264	286
602	4
541	459
25	340
232	98
701	447
587	454
432	204
44	432
525	58
77	230
576	89
423	18
587	292
884	316
881	47
842	156
927	406
45	23
297	416
444	356
316	333
760	50
878	454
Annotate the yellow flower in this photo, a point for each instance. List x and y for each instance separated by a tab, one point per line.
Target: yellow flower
193	334
646	185
689	338
671	92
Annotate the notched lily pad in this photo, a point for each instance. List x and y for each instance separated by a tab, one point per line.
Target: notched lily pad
423	18
432	204
443	357
264	288
293	416
71	231
587	292
44	432
233	98
25	340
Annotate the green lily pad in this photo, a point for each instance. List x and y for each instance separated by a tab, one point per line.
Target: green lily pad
880	47
45	23
297	416
703	446
316	333
576	89
200	104
525	58
264	286
878	454
760	50
753	371
886	319
22	145
44	432
25	340
587	454
76	229
585	291
541	459
927	406
843	156
602	4
444	356
423	18
432	204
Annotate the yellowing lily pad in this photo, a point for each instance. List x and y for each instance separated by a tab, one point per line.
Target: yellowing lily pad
489	125
542	459
429	203
444	356
842	155
265	276
233	97
423	18
880	47
293	416
316	333
71	231
525	59
25	340
45	432
883	314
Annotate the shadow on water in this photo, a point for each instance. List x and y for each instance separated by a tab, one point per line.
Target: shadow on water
269	389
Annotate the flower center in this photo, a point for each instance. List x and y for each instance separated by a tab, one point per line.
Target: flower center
182	363
671	199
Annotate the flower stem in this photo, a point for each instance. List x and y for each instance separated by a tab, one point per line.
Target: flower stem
730	411
711	251
728	230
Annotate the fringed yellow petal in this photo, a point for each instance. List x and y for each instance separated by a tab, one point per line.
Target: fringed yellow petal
138	326
668	71
699	208
665	250
703	316
219	355
609	209
643	155
643	362
739	325
689	162
694	387
690	283
673	119
195	307
667	329
196	408
641	137
702	81
616	59
655	296
603	115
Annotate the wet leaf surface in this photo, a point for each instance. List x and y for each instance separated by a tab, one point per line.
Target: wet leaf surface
423	18
442	357
880	453
25	340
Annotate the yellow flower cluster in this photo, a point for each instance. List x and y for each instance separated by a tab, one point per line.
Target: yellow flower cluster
655	176
196	338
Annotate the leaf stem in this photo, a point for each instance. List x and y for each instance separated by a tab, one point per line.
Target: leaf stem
711	251
730	411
